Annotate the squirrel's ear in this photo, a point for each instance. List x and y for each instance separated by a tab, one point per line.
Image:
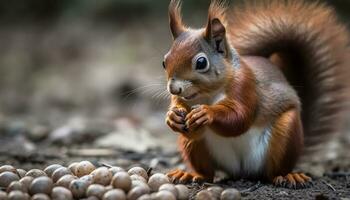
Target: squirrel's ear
215	34
175	20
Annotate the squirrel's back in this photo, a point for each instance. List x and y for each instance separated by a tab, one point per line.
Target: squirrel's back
310	45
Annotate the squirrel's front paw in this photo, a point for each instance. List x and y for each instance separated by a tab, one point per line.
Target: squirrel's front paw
176	120
199	117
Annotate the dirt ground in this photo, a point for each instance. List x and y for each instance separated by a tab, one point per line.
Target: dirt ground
331	178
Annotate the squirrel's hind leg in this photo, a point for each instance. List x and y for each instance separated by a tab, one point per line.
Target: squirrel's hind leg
285	146
196	155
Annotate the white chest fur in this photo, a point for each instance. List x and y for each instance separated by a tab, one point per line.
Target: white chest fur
240	156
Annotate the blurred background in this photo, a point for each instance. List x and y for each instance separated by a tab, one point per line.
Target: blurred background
88	72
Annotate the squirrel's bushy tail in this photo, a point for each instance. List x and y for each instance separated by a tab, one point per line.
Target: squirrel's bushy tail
310	45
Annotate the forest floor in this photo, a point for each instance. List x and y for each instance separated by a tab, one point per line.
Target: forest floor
22	149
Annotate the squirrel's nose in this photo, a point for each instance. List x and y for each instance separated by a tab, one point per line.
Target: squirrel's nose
175	87
175	91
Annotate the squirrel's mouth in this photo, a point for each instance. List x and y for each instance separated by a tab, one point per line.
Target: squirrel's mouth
190	97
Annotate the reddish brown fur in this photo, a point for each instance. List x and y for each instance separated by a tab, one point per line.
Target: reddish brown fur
239	106
197	157
286	144
308	44
312	49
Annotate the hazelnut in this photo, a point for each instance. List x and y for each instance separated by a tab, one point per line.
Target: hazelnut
73	166
215	191
87	178
65	180
21	172
6	178
51	168
115	170
136	183
78	188
146	197
3	195
101	176
61	193
26	181
35	173
42	184
95	190
204	195
16	185
136	192
136	177
231	194
40	197
114	194
17	195
121	180
156	180
8	168
165	195
138	171
169	187
58	173
84	168
183	192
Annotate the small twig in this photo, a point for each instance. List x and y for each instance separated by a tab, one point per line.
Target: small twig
251	189
329	185
106	165
149	171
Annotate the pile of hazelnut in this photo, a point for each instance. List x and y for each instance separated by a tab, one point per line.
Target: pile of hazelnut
82	180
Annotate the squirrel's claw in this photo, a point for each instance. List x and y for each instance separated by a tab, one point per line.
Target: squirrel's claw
293	181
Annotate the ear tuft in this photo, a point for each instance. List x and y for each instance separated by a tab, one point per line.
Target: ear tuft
215	32
175	19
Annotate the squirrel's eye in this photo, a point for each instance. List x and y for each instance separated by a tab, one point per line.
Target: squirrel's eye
163	64
202	64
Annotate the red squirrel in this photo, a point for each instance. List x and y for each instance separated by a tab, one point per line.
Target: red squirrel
250	86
